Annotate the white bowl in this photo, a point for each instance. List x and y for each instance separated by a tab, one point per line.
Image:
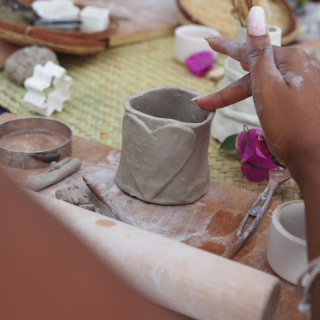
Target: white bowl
189	40
56	9
287	245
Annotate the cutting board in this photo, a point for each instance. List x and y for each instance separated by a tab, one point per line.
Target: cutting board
209	224
139	20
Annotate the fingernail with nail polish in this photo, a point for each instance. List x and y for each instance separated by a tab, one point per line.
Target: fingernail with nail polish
257	25
212	38
197	98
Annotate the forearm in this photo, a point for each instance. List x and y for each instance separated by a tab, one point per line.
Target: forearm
308	179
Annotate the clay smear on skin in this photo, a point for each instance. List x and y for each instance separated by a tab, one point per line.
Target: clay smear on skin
297	82
294	80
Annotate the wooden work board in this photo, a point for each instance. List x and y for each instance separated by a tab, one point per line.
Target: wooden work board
209	224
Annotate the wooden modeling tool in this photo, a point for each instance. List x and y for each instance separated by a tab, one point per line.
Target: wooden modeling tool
104	199
258	208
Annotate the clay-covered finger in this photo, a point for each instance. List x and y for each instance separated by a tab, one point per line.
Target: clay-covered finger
260	51
233	48
235	92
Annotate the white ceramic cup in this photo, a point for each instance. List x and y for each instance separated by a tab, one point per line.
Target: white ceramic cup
287	245
189	40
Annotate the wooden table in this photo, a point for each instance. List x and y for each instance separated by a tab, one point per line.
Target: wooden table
209	224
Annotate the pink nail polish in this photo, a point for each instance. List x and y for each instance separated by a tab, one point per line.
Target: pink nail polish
197	98
257	25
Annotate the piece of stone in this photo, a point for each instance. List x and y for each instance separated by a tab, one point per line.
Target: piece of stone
164	157
20	65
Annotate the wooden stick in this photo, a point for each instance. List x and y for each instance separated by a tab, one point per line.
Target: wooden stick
187	280
104	199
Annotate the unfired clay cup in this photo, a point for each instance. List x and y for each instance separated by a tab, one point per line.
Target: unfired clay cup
287	245
164	157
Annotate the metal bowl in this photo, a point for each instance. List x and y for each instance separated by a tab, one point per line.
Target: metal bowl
39	158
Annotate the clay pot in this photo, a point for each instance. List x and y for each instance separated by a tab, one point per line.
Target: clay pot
231	120
287	245
164	156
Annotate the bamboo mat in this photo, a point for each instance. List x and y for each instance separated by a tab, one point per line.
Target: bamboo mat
101	84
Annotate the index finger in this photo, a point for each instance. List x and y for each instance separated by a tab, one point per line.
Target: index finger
235	49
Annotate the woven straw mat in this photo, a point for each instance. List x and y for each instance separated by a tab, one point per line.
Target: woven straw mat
103	81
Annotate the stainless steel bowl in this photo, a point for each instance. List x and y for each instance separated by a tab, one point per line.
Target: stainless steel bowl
37	159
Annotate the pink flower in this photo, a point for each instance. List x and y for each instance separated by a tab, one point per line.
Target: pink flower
254	154
200	62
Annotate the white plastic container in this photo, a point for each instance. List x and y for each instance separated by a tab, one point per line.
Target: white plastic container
189	40
56	9
287	245
94	19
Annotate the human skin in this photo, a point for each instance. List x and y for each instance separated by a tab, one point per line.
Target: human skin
48	273
284	84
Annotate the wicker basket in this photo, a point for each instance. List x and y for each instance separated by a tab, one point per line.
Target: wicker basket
217	14
69	42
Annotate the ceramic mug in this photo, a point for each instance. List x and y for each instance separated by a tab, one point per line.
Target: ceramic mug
164	157
287	245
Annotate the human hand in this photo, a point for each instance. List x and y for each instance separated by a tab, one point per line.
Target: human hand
284	83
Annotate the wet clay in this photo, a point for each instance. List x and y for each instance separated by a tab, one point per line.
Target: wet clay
20	65
57	172
74	195
164	157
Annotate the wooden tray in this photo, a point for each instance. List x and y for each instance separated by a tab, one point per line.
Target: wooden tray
71	42
209	224
145	20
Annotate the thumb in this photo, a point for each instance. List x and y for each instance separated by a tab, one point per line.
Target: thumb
259	49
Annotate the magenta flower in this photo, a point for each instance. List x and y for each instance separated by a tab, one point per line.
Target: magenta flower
200	62
254	154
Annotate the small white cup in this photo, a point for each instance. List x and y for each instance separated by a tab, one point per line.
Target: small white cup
287	245
189	40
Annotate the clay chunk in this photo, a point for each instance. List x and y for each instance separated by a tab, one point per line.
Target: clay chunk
74	195
20	65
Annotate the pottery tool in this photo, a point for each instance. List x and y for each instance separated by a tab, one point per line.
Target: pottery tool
57	172
258	208
43	77
58	24
184	279
32	142
104	199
